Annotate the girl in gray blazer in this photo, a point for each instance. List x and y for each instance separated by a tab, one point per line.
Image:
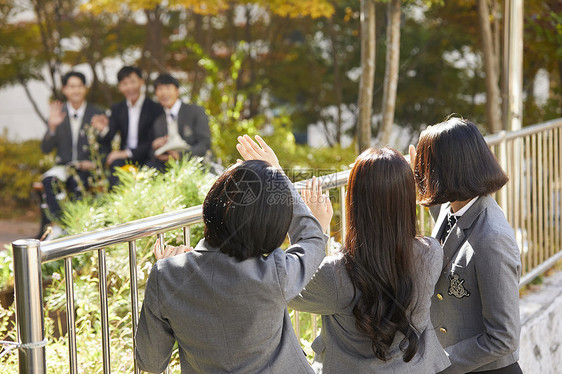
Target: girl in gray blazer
225	301
475	307
374	297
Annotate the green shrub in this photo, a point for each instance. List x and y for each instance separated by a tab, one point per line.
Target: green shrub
22	164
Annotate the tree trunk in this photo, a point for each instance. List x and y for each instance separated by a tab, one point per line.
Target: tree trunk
23	83
337	78
490	57
391	69
367	80
154	42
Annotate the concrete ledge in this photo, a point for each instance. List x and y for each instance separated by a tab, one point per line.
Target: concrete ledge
541	328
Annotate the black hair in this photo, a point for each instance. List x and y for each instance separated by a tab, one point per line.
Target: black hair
248	210
76	74
125	71
454	163
166	79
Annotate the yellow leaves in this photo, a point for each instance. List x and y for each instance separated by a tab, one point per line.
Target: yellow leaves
204	7
284	8
301	8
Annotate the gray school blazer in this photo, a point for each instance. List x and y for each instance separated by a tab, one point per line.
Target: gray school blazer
230	316
475	307
341	348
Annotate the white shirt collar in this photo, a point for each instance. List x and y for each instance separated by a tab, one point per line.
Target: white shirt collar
138	103
175	109
79	112
463	210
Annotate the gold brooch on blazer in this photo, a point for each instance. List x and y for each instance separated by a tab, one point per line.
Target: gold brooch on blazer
456	287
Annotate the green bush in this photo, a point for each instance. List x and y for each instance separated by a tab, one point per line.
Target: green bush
22	164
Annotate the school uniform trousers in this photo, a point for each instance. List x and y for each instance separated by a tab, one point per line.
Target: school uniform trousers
475	306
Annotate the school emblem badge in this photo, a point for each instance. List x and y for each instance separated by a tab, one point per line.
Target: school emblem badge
456	287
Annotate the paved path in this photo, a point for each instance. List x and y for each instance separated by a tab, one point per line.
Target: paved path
11	230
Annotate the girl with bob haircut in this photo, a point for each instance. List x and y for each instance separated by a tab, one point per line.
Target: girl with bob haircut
475	307
374	296
225	301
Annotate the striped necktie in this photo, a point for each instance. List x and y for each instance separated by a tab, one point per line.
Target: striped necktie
451	221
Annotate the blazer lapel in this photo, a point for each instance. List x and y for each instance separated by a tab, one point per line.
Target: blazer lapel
182	120
438	227
458	235
125	122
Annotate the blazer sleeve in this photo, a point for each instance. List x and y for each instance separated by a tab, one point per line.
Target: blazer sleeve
49	141
296	266
113	124
320	295
202	133
154	337
498	269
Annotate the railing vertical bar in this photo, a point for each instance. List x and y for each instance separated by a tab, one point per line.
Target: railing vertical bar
550	195
509	213
529	172
343	221
520	200
520	204
314	325
29	305
540	168
517	171
297	325
535	199
70	320
558	189
134	296
102	269
502	148
187	236
421	221
544	185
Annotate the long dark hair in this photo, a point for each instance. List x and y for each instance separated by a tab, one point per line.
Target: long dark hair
381	228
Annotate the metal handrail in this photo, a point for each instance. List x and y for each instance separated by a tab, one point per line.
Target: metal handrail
497	138
126	232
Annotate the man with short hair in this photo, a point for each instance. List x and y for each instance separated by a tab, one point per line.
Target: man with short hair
68	134
182	130
133	118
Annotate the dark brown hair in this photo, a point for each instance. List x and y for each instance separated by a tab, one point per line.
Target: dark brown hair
248	210
454	163
378	251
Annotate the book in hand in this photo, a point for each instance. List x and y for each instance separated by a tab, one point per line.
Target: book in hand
60	171
173	144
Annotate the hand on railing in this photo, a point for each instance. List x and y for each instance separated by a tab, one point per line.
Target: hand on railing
169	251
250	150
319	203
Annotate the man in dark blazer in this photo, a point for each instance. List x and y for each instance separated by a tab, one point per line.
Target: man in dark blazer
182	130
68	133
133	118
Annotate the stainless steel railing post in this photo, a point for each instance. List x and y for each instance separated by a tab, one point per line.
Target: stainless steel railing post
134	296
70	320
29	306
